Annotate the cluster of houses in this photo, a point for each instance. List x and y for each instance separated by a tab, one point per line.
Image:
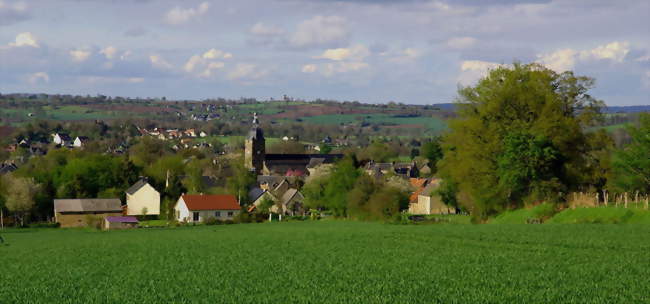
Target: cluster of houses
64	140
142	200
167	134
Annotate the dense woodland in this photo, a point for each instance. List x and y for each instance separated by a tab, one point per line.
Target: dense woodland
523	135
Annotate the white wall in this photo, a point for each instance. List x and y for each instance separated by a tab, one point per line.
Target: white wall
147	197
182	213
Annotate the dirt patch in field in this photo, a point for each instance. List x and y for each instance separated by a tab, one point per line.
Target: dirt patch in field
293	112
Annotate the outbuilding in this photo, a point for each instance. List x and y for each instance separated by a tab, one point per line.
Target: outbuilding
120	222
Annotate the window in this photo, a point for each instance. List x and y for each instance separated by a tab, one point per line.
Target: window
217	214
230	214
195	216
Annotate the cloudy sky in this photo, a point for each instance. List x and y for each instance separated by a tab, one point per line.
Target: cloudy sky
411	51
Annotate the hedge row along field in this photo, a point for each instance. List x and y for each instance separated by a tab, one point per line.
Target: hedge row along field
329	262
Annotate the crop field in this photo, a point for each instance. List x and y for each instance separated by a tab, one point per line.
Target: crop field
430	123
329	262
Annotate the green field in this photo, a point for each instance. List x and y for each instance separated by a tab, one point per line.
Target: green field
329	262
430	123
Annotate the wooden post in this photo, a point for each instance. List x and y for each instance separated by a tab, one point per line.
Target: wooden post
625	200
636	198
270	218
647	199
605	197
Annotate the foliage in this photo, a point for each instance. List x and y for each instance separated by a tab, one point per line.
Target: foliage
20	195
340	182
378	152
360	263
632	163
601	215
240	180
540	212
520	137
432	151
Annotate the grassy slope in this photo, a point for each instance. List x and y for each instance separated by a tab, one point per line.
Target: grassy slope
521	216
329	262
609	215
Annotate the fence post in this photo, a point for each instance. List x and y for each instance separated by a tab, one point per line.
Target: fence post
605	197
625	200
647	198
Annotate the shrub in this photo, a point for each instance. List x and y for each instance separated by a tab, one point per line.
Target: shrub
211	221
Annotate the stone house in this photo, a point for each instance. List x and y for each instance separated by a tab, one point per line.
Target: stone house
429	202
81	212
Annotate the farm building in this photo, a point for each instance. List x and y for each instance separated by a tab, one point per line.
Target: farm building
429	202
78	212
120	222
61	139
80	141
141	197
198	208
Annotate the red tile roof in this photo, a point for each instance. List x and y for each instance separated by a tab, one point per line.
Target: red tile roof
211	202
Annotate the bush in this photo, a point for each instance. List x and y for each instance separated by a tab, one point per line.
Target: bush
211	221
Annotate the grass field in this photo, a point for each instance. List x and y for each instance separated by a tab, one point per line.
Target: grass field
329	262
430	123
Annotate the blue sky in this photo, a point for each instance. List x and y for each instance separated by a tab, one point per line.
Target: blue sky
411	51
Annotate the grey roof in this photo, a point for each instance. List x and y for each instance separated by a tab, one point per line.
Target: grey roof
433	185
139	184
255	193
315	162
7	168
270	179
287	196
88	205
256	133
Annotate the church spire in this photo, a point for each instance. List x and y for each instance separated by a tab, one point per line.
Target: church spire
256	121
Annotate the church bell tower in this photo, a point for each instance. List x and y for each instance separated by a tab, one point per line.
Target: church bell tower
254	147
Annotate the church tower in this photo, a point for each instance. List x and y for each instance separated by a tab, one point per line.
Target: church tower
254	147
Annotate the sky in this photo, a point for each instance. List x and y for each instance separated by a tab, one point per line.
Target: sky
410	51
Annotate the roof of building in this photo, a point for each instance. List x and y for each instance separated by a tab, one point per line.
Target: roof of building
88	205
121	219
210	202
288	195
137	186
63	136
281	163
255	193
83	138
256	133
433	185
272	180
315	162
7	168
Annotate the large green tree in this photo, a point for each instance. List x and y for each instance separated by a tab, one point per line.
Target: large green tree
632	163
519	136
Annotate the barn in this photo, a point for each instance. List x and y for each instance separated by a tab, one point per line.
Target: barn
85	212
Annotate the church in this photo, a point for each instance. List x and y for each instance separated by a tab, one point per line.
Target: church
261	163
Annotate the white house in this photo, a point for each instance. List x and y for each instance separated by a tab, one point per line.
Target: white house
80	141
140	196
203	134
61	139
198	208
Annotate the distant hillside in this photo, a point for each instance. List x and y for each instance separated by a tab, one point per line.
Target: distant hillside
611	109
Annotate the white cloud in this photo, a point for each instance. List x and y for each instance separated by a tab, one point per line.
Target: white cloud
461	42
246	71
615	51
178	15
309	68
79	55
204	65
320	31
357	53
559	61
38	77
109	52
158	62
472	70
216	54
565	59
261	29
11	13
24	39
406	55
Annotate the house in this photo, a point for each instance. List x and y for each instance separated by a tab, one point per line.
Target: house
80	141
407	170
190	133
120	222
81	212
289	202
292	203
429	202
61	139
198	208
203	134
142	199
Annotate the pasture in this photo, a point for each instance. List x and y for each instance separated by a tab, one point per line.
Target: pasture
329	262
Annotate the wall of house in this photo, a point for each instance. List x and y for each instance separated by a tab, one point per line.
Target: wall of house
69	220
115	226
147	197
423	205
181	213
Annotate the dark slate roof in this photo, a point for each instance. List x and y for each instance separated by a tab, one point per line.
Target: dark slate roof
255	193
64	136
88	205
315	162
269	179
122	219
139	184
7	168
281	163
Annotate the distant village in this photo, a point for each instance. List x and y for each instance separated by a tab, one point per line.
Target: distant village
275	192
